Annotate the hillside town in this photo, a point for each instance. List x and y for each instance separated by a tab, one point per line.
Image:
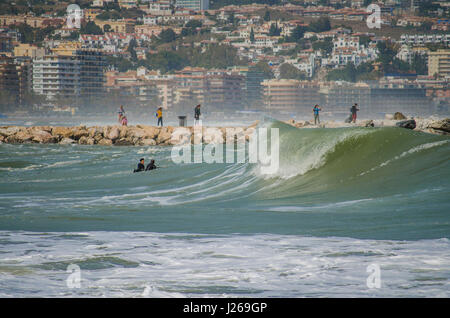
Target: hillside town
63	58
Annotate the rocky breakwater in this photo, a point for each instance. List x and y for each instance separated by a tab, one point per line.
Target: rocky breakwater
139	135
437	126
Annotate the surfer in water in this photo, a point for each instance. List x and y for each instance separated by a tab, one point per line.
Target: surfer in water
140	166
151	165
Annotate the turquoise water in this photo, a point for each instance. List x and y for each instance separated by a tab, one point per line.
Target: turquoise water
342	199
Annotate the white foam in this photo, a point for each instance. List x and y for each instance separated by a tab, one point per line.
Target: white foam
138	264
409	152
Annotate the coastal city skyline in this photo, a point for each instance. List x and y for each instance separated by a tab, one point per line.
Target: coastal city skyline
270	56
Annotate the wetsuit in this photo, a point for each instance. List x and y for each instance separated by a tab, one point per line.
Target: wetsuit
196	115
140	167
150	166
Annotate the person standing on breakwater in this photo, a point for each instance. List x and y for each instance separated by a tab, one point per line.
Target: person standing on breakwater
159	116
353	110
124	121
316	111
140	166
121	113
197	115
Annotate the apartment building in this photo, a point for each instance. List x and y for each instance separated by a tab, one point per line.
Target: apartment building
422	39
55	75
338	97
281	94
376	98
119	26
29	50
35	22
291	95
439	63
225	90
195	5
9	77
388	96
73	73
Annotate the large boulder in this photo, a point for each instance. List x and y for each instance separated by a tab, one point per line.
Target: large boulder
79	132
408	124
135	133
163	136
67	141
367	123
8	131
114	133
43	137
22	136
399	116
86	140
147	142
151	131
105	142
95	132
442	125
62	132
124	142
123	132
290	122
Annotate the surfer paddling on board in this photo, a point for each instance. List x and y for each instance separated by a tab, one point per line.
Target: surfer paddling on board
140	166
151	165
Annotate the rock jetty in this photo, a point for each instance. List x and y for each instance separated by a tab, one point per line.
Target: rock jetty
141	135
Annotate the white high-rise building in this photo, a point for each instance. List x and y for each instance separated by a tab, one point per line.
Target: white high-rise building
196	5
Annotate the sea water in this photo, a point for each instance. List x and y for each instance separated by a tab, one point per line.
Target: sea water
343	202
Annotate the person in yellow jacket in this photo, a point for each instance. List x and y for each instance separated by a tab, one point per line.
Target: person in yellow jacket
159	116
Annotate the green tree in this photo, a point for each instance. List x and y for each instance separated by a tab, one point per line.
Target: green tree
252	36
386	54
266	16
350	73
165	61
297	34
167	36
288	71
274	30
191	28
132	49
231	19
91	28
325	46
419	64
263	67
320	25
